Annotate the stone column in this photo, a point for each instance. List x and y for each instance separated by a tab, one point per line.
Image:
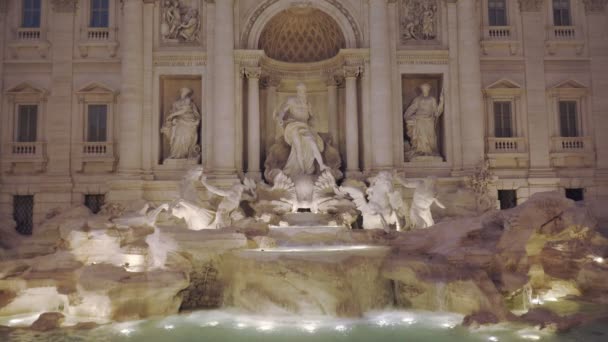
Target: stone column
272	83
253	121
224	114
538	125
471	104
380	92
351	120
597	26
332	107
131	94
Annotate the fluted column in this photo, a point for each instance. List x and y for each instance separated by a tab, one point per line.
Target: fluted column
253	121
352	120
332	107
471	106
224	114
272	83
132	70
381	96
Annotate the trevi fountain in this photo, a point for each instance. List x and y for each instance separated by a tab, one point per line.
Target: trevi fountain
322	170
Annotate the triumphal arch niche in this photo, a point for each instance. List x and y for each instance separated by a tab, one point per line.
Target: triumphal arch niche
302	53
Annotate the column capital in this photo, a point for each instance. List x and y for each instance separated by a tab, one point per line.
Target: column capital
252	72
595	6
332	79
351	71
530	5
64	6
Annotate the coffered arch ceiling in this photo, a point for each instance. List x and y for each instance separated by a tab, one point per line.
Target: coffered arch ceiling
301	35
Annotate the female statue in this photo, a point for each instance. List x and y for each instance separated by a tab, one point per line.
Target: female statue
421	118
181	127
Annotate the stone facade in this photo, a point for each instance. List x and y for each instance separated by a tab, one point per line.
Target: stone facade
136	64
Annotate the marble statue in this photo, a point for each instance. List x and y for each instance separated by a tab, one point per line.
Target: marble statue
231	199
181	127
425	194
421	120
141	218
196	217
296	118
479	183
179	22
418	20
380	204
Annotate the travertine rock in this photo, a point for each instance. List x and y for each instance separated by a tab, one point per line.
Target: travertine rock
48	321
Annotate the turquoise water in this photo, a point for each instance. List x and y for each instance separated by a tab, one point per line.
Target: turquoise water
378	327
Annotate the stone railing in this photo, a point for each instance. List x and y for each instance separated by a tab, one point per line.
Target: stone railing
26	150
572	144
98	33
29	33
97	150
506	145
562	33
498	33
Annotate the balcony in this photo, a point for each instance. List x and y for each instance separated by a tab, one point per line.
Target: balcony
498	40
27	157
98	42
498	33
508	152
98	33
564	38
572	151
28	34
96	157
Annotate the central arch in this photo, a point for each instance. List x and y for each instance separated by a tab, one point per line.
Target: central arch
266	11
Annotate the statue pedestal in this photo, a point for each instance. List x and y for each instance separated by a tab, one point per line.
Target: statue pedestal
426	159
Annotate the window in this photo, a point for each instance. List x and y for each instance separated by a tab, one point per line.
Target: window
507	198
575	194
94	202
561	13
503	119
97	118
497	12
568	119
30	13
27	123
100	10
23	213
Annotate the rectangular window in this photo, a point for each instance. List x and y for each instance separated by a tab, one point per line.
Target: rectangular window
23	213
575	194
568	119
100	13
97	123
507	198
30	13
503	119
497	12
94	202
27	123
561	13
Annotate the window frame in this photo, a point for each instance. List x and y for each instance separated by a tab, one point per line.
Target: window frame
17	122
570	90
561	11
96	94
25	94
505	13
22	15
577	132
92	10
512	127
87	137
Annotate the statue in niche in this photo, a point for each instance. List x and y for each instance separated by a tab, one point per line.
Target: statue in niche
418	20
181	127
180	23
301	150
421	121
425	194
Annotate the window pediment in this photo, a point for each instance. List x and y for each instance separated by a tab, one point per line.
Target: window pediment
25	91
567	88
503	87
95	91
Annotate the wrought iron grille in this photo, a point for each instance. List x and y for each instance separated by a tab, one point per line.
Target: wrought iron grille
94	202
23	213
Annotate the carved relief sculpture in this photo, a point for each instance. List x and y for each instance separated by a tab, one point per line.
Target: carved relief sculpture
418	20
181	127
180	23
421	120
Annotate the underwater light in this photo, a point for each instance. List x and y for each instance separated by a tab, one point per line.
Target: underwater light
311	328
530	337
169	327
266	326
126	331
598	259
382	323
448	325
211	324
241	325
340	328
493	338
408	320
